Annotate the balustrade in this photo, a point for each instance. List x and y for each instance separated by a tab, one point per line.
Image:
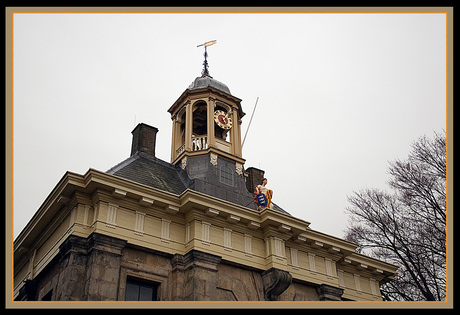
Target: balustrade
199	143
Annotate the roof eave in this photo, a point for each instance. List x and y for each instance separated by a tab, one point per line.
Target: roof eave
181	99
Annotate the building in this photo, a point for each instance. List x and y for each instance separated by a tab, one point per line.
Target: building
187	230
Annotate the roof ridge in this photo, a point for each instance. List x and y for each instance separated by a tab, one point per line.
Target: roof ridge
122	164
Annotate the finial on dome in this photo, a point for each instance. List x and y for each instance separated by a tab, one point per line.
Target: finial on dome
205	71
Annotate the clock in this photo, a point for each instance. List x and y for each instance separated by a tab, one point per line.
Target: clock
222	120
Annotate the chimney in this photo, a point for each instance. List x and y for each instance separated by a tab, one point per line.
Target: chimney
255	177
144	138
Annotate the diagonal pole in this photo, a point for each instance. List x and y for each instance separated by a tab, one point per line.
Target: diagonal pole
250	120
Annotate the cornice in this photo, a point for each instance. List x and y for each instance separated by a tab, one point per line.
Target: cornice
207	152
269	222
52	202
205	93
93	179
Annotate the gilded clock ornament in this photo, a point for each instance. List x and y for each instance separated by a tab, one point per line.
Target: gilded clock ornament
222	120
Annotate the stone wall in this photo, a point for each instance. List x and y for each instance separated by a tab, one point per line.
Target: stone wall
97	269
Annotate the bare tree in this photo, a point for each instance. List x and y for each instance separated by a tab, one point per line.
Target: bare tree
407	226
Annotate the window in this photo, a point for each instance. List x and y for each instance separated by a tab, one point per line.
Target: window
140	290
200	119
226	175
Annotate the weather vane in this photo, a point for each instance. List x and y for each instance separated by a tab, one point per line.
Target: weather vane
205	71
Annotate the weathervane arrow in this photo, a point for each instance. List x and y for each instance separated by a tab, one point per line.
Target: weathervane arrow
212	42
205	71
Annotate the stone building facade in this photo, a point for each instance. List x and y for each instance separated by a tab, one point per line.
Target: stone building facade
187	230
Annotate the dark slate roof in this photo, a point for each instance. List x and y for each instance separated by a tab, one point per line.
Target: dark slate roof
153	172
205	81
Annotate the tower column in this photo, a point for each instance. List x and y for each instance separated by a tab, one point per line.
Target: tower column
176	142
188	126
235	135
173	137
210	110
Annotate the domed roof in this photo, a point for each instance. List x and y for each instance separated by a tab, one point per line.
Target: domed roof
207	81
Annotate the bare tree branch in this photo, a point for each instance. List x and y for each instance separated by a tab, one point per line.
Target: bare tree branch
407	227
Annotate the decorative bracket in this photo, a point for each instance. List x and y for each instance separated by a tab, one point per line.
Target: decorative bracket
275	282
213	159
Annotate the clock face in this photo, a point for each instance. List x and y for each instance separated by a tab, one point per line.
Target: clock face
222	120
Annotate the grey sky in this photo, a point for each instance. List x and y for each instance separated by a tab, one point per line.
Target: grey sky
340	95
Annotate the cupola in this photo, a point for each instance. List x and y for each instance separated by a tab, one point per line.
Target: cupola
206	118
206	121
207	81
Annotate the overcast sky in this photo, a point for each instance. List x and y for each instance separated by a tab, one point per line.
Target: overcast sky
340	95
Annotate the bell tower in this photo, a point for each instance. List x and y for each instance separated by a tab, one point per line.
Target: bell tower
206	139
206	120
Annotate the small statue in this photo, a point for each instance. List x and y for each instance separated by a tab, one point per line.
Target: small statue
263	195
